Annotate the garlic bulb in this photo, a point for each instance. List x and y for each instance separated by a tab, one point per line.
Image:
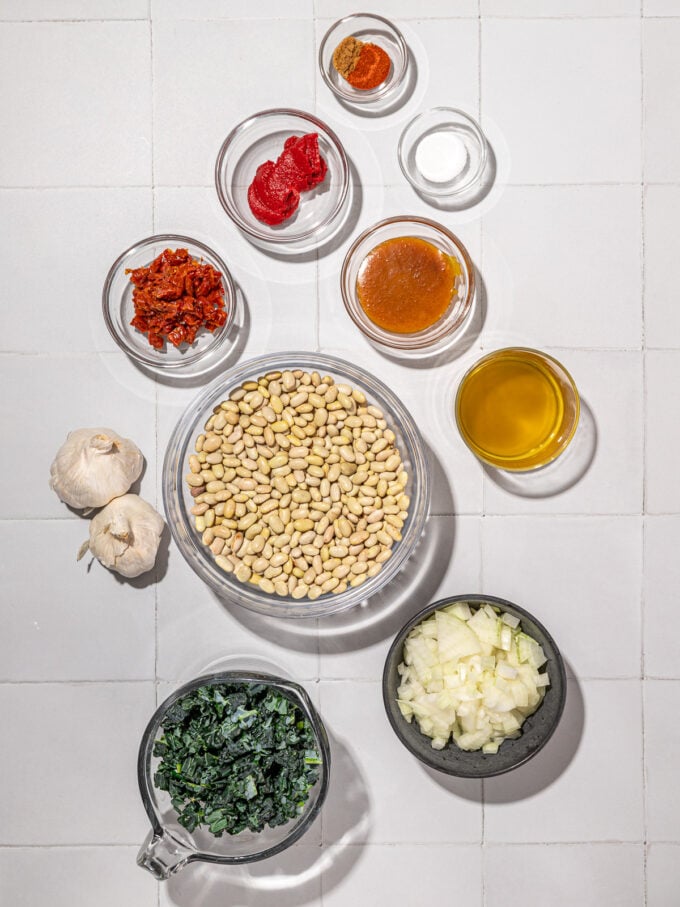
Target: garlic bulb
93	466
125	535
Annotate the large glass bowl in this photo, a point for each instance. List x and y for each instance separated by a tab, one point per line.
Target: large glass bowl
261	138
178	501
446	329
169	847
118	307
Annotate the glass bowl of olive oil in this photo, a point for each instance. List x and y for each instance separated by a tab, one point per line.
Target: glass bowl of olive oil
517	409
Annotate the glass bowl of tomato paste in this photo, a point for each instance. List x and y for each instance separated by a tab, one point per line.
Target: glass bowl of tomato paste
282	177
169	302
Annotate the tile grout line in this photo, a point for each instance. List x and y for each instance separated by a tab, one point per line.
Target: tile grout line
643	277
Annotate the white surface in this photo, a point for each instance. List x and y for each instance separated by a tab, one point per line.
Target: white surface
110	130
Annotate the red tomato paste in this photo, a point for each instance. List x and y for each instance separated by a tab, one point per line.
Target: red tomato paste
274	194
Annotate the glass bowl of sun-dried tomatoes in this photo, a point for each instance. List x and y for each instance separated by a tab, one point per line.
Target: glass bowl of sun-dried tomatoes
169	301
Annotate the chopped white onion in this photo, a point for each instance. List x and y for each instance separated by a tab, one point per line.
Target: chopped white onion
473	676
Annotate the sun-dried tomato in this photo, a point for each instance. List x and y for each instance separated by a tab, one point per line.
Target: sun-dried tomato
175	296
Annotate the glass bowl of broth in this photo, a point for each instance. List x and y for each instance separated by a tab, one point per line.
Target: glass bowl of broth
517	409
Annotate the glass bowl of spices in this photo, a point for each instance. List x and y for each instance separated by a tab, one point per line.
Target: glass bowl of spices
282	177
296	485
261	752
169	302
364	61
442	153
408	284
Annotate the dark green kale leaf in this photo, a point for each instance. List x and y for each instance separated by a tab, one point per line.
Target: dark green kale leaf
236	757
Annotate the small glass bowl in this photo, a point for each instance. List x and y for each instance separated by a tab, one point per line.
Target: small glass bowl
536	730
118	307
261	138
563	385
178	501
443	331
373	30
169	847
446	120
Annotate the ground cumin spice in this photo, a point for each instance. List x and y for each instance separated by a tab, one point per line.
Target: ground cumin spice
364	66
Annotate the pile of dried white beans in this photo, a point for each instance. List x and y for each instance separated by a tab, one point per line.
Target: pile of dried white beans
298	484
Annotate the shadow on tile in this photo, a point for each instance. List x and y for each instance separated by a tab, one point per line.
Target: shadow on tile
293	878
385	612
547	766
560	475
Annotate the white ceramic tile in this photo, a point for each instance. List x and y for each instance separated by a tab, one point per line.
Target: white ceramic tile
661	100
610	384
565	121
13	10
589	234
661	7
362	805
73	762
64	876
662	493
661	579
66	289
68	622
559	8
573	790
388	875
280	295
80	104
447	562
291	879
662	319
564	875
663	874
224	89
395	8
195	630
234	9
53	395
662	751
437	77
573	573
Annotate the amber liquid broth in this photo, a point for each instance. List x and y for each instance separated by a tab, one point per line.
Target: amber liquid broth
511	410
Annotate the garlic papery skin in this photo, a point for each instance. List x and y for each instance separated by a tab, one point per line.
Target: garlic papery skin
125	535
93	466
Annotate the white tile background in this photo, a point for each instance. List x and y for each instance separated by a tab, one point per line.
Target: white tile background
111	114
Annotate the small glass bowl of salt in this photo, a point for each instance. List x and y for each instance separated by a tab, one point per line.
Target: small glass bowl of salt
443	153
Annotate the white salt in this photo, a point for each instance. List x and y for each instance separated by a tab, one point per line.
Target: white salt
441	156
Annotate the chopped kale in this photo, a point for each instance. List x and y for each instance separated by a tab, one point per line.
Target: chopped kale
236	756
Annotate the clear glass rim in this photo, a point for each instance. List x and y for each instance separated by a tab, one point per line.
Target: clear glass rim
229	300
191	546
421	186
436	332
224	195
479	599
380	92
560	368
297	692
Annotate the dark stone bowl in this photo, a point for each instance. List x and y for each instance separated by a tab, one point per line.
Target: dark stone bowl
536	730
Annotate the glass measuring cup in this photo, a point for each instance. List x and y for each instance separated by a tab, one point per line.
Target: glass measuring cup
169	847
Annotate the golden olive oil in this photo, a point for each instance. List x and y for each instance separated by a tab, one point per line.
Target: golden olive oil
517	409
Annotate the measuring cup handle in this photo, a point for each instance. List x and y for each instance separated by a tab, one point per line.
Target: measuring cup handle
162	855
